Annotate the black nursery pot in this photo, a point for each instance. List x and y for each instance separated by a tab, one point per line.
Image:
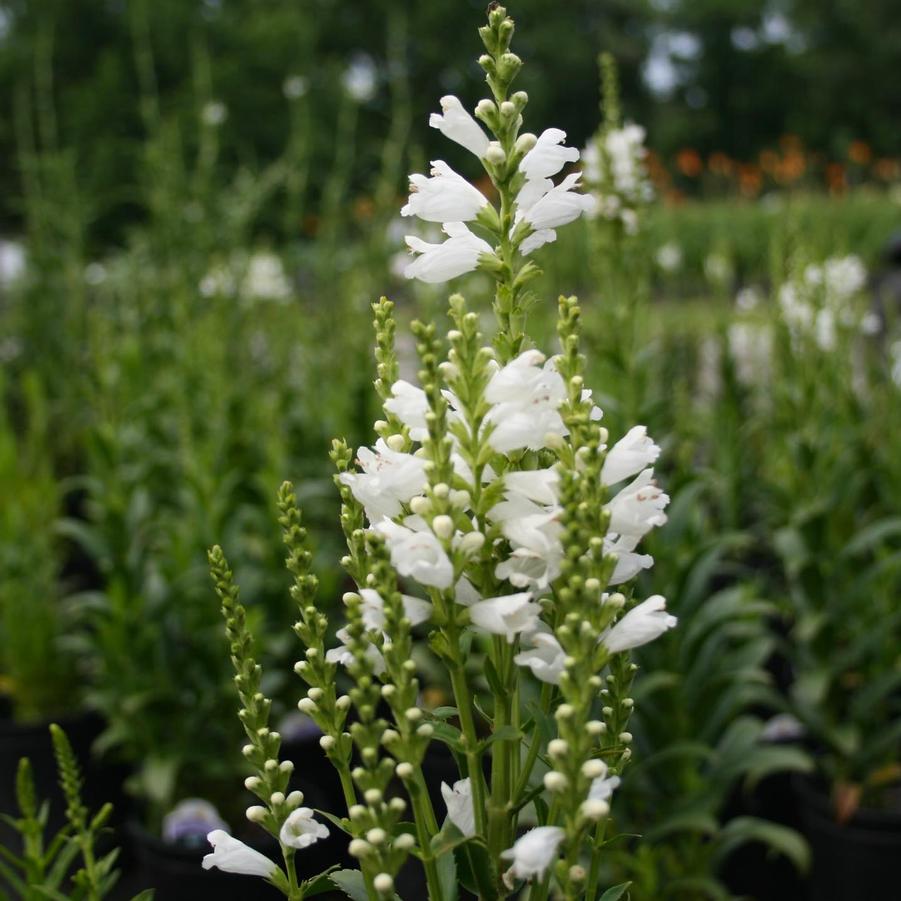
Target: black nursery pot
851	861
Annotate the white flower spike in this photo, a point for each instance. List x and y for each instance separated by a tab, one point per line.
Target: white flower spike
507	616
548	156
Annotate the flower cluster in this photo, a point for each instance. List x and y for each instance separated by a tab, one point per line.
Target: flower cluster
614	161
494	519
821	300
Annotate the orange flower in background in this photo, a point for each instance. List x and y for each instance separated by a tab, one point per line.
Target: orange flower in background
791	167
720	164
835	178
859	152
887	169
791	143
657	171
364	207
689	162
750	179
769	161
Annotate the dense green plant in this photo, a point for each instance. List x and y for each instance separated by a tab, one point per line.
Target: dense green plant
37	670
46	868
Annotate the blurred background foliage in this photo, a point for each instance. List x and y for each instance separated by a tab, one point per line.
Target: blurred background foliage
727	76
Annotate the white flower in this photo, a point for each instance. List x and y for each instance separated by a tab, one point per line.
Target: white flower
603	786
526	398
417	554
410	405
545	658
455	123
214	113
508	615
301	830
445	197
629	455
457	255
389	478
537	239
12	262
628	563
559	205
265	278
539	485
533	853
642	624
638	508
343	655
669	257
537	547
359	78
415	609
233	856
548	156
459	805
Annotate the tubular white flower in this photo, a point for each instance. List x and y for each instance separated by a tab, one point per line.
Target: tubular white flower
533	853
638	508
629	455
233	856
537	549
642	624
603	786
548	156
342	654
389	478
628	563
539	485
545	658
507	616
410	405
537	239
456	256
415	609
455	123
417	554
560	205
445	197
300	829
459	805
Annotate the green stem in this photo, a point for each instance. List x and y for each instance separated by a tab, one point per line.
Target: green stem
468	727
426	827
294	890
547	691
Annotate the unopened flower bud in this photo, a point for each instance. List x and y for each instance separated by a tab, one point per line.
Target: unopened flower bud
485	107
376	836
441	490
557	747
595	727
495	153
395	442
404	770
256	813
594	810
358	848
525	142
276	799
413	714
388	690
404	842
356	812
327	742
459	499
389	735
252	783
472	542
420	505
564	712
247	750
305	705
426	730
625	737
626	755
508	109
607	711
372	796
617	599
270	765
555	782
383	883
295	799
399	805
343	703
577	873
593	769
443	526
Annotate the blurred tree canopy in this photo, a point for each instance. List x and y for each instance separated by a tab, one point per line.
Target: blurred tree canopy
729	75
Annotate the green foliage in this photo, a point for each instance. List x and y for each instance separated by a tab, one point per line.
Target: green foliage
46	868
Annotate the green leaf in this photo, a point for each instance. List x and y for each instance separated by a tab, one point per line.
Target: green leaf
319	885
505	733
444	713
780	839
146	895
615	893
351	883
447	876
494	680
